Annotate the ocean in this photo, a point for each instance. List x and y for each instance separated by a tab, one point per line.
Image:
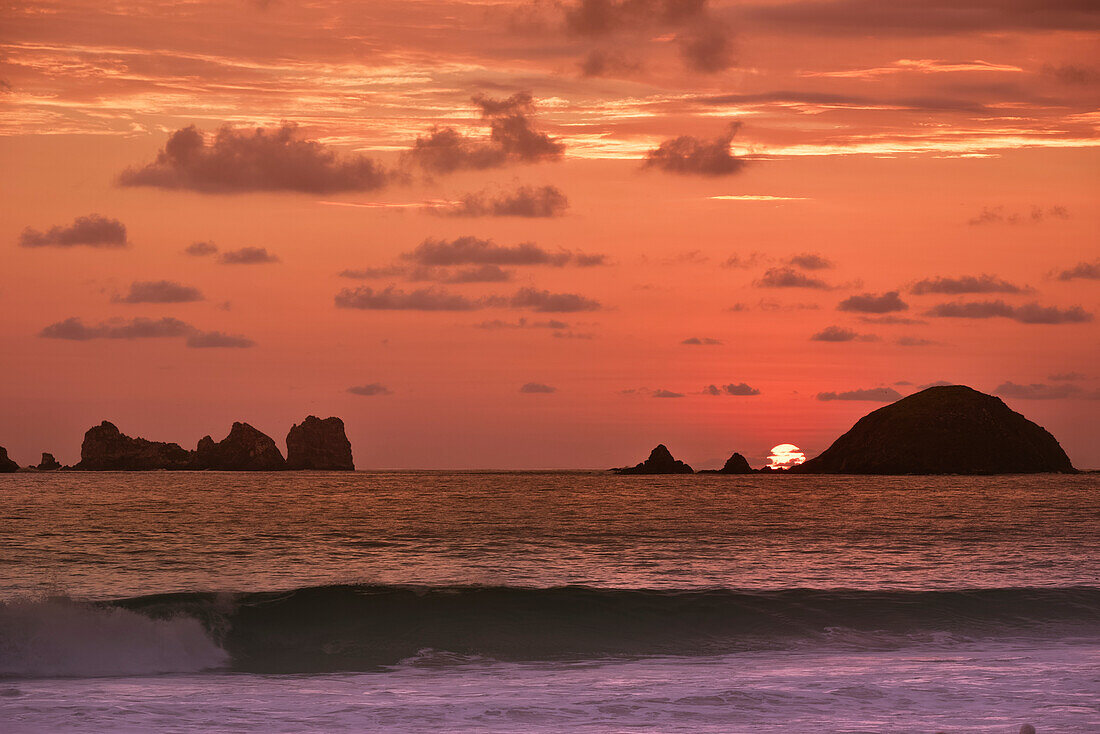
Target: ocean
548	601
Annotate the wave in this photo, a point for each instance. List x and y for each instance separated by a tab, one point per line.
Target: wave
361	628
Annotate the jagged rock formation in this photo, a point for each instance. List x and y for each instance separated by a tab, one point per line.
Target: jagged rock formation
7	466
660	461
952	429
319	444
244	449
48	463
106	448
736	464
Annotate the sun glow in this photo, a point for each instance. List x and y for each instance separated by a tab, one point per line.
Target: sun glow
785	455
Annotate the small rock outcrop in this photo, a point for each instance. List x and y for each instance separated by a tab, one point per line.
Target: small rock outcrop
7	466
660	461
319	444
951	429
736	464
244	449
105	448
48	463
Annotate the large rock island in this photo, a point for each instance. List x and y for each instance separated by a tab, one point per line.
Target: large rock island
244	449
660	461
951	429
320	445
7	466
105	448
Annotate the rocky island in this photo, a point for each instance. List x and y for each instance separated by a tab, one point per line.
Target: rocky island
244	449
320	445
950	429
7	466
736	464
660	461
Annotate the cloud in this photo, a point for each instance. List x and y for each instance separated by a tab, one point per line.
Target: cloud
479	274
840	334
201	249
1066	376
701	341
739	389
997	215
667	394
248	256
737	261
874	394
707	47
75	329
90	231
1031	313
1073	74
512	139
872	303
1041	391
522	324
984	283
370	390
243	160
810	261
392	299
545	301
890	320
788	278
912	341
159	291
526	201
476	251
692	156
536	388
218	340
1083	270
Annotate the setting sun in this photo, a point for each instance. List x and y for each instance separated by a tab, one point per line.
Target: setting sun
785	455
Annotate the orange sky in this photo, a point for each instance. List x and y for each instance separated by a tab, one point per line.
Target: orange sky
613	205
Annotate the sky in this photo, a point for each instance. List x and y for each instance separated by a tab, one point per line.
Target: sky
544	234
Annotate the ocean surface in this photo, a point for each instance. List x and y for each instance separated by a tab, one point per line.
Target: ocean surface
580	602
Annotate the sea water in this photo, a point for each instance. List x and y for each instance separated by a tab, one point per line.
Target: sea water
429	601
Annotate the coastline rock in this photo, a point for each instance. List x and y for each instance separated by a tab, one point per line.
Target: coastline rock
105	448
7	466
48	463
951	429
660	461
244	449
319	444
736	464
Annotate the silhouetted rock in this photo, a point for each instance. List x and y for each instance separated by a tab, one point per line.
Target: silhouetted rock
105	448
7	466
736	464
319	444
244	449
952	429
48	463
660	461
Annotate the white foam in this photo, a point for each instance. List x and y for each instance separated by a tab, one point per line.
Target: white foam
62	638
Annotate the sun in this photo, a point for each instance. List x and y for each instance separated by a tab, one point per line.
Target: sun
785	455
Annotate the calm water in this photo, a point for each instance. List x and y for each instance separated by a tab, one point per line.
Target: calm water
548	601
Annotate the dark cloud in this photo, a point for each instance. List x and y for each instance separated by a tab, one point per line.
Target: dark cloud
218	340
1031	313
388	271
1073	74
893	320
392	299
984	283
1066	376
545	301
874	394
829	99
255	160
810	261
788	278
138	328
479	274
476	251
667	394
1041	391
512	139
739	389
840	334
737	261
692	156
522	324
997	215
526	201
201	249
701	341
1084	271
248	256
536	388
878	19
707	47
600	62
370	390
90	231
912	341
873	303
159	291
